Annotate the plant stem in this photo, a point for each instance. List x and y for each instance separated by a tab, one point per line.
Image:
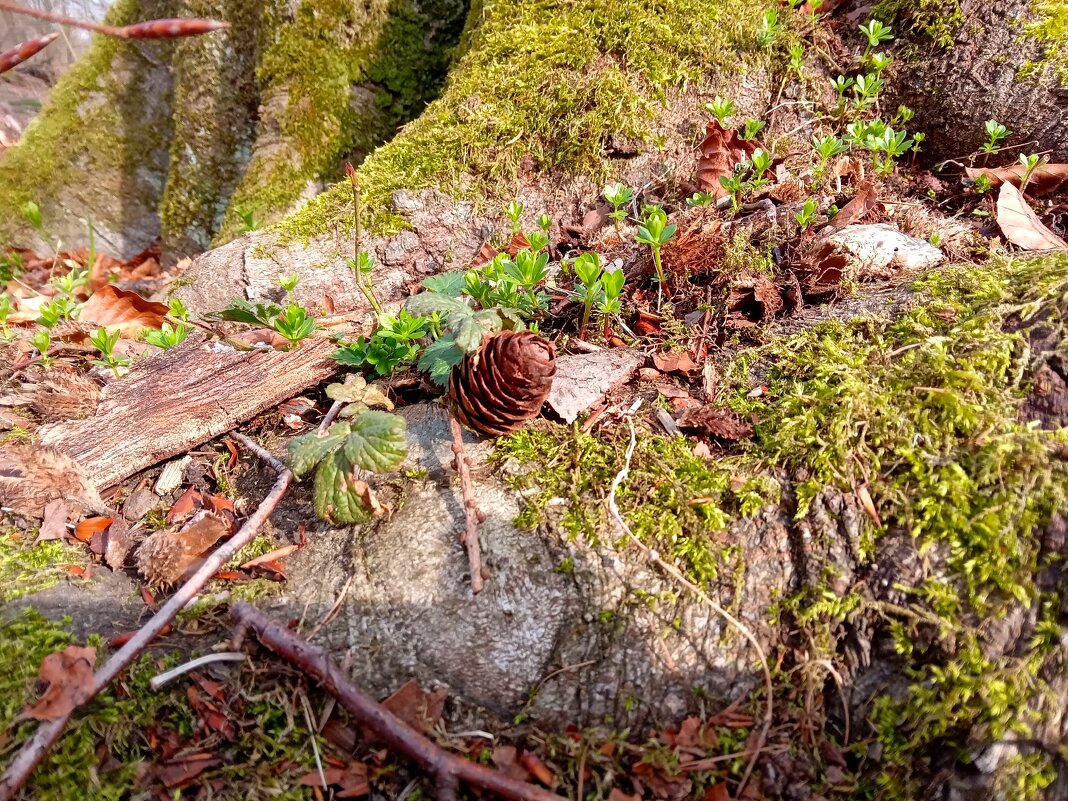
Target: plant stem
586	316
659	276
367	289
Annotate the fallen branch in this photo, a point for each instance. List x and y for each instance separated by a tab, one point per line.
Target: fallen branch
472	514
678	575
36	748
447	770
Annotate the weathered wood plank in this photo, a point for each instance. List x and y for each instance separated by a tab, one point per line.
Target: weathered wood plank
179	398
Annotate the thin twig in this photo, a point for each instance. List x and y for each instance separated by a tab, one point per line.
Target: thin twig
677	574
333	609
311	734
446	769
59	19
36	748
472	514
167	677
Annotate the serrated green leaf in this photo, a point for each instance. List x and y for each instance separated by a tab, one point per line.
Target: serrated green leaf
439	358
450	284
377	399
337	497
352	410
426	303
307	451
377	441
351	391
243	311
469	335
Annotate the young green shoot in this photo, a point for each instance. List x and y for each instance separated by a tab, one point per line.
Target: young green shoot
544	221
752	128
721	108
807	215
248	221
74	280
42	341
797	59
609	304
178	309
1030	162
700	199
769	28
655	232
60	308
827	147
620	197
105	343
289	283
588	271
887	147
514	210
866	90
876	33
995	132
393	344
5	310
31	213
167	336
294	324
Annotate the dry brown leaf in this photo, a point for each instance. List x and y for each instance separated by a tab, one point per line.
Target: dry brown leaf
1021	225
819	271
538	769
674	362
117	543
1044	180
182	771
720	151
277	553
54	524
190	501
418	709
33	475
352	780
113	308
85	530
69	676
168	556
863	203
720	423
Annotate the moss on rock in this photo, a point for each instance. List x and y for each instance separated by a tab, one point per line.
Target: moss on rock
548	82
935	18
1050	28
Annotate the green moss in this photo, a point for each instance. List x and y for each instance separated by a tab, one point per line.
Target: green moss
338	78
1051	29
26	569
937	19
97	121
549	80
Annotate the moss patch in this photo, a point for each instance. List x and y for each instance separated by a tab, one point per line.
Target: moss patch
1051	29
546	79
26	569
935	18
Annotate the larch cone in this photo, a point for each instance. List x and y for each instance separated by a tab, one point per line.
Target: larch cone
496	389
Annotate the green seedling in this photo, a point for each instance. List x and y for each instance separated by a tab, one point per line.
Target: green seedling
74	280
31	213
178	310
866	90
394	344
752	128
995	132
41	342
761	160
514	210
289	283
879	61
167	336
807	215
982	184
589	290
827	147
59	309
876	33
769	28
700	199
609	304
510	283
797	58
294	324
721	108
248	221
105	343
544	221
735	184
537	240
655	232
1030	162
11	266
362	267
5	310
902	116
528	270
620	197
841	86
887	147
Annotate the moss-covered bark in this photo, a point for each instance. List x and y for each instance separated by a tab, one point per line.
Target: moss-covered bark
98	151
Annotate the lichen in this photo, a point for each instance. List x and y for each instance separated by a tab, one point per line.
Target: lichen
547	81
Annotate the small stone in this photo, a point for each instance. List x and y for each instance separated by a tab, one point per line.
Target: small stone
139	504
404	200
583	379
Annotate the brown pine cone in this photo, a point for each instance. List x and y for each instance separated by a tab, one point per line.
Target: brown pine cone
504	383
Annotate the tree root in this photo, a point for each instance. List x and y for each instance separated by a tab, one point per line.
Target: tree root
473	516
36	748
447	770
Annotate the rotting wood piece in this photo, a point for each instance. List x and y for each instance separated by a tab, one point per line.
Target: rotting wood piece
181	397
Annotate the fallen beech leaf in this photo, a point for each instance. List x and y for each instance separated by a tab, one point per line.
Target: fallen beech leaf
1045	180
117	544
720	423
220	504
717	792
671	391
674	362
720	151
167	556
485	255
69	676
190	501
418	709
863	202
231	575
54	524
537	768
277	553
81	571
33	475
84	531
113	308
1021	225
120	640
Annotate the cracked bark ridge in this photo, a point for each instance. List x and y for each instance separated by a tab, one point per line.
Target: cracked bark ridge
504	383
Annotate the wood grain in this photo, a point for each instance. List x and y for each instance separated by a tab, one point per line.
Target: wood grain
179	398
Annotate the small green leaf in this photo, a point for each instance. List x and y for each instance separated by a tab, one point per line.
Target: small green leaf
377	441
307	451
450	284
336	497
426	303
242	311
439	358
469	335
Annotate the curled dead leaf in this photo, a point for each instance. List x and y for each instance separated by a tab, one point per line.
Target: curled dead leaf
864	202
113	308
1021	225
167	557
69	676
752	299
721	149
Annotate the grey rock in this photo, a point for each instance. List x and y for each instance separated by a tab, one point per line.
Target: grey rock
140	503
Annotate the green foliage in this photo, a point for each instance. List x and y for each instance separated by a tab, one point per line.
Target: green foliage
752	128
178	309
451	283
620	197
769	28
995	132
807	215
511	283
392	345
167	336
42	341
62	308
31	213
11	266
655	232
294	323
261	314
721	108
700	200
105	343
514	210
1030	162
248	221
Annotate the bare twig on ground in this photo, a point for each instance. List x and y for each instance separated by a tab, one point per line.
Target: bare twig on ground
701	595
447	770
36	748
472	514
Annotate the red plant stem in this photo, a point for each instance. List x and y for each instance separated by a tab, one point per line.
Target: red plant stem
16	55
447	770
472	515
151	29
36	748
